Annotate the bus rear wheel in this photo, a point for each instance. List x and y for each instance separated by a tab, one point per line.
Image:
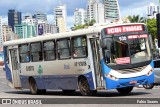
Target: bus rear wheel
34	89
84	87
125	90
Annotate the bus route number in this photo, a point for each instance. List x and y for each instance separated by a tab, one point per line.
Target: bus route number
82	63
122	38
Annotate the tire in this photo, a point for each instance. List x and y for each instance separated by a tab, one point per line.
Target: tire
125	90
84	87
33	86
148	86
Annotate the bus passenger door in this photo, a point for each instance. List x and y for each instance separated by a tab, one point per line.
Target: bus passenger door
96	62
15	67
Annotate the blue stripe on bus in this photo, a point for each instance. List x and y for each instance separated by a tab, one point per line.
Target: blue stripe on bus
57	82
7	69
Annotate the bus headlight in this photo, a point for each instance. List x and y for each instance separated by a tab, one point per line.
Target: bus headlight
149	72
111	77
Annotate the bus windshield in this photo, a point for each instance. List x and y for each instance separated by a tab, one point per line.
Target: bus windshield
126	48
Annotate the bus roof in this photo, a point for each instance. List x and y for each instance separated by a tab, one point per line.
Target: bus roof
90	30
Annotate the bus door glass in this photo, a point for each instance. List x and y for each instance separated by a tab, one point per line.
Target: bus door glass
15	67
96	61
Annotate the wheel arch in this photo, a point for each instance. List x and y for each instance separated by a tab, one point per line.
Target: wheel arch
89	79
39	82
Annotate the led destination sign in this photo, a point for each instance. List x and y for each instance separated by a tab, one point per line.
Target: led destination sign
122	29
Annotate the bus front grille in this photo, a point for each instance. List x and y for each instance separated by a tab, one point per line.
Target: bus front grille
132	70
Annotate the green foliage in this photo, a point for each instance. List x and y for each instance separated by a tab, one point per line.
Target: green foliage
90	23
152	29
136	18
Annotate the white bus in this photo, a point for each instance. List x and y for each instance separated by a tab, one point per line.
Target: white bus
117	56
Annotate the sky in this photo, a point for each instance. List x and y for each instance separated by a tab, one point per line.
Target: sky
127	7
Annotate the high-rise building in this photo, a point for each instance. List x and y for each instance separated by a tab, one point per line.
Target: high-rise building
40	16
25	30
152	10
98	15
29	19
90	12
95	10
14	18
111	10
60	13
80	16
44	28
7	33
1	36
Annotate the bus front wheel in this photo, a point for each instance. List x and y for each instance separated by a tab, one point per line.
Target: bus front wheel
84	87
148	86
125	90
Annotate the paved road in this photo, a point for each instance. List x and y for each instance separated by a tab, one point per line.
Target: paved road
140	93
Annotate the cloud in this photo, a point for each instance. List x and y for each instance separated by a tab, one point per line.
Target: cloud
50	18
5	20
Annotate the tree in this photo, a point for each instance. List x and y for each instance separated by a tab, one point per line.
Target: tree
81	26
136	18
92	22
152	29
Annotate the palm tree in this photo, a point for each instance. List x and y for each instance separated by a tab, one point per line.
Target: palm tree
136	18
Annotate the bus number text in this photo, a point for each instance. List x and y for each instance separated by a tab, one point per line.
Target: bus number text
83	63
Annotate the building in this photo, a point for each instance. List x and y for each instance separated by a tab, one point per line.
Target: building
60	14
29	19
152	10
61	24
25	30
98	15
111	10
1	35
50	28
90	12
44	28
80	16
8	33
95	10
14	18
40	16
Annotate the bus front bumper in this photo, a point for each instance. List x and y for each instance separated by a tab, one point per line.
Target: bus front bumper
135	81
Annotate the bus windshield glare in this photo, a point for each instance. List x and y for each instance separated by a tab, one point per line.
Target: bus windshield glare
125	48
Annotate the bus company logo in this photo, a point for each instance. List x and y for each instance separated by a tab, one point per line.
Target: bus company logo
6	101
40	70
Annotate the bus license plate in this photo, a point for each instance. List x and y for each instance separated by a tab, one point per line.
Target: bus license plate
133	82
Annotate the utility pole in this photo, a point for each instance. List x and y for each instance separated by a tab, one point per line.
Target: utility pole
158	26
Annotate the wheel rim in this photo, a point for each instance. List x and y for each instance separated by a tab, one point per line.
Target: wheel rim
84	86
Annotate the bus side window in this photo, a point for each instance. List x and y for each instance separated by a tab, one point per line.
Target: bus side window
63	48
24	53
79	47
36	52
49	50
